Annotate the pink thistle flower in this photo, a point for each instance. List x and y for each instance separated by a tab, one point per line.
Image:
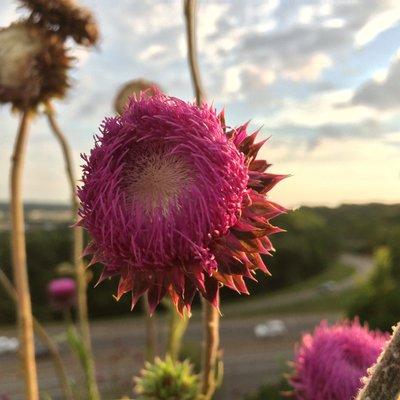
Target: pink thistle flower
330	363
62	293
176	202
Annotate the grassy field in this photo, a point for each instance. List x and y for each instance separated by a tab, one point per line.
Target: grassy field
300	298
336	273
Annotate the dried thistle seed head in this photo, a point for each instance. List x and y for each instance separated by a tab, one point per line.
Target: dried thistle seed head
66	18
33	65
133	88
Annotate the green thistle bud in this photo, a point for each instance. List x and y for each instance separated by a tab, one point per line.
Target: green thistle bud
167	380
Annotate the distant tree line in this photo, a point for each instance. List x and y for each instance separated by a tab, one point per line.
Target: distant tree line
314	239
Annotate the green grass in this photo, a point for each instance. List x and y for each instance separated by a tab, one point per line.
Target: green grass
271	392
336	273
320	302
332	302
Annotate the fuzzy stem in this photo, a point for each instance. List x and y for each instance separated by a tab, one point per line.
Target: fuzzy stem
151	333
383	382
210	313
190	17
18	250
45	338
177	328
83	317
210	350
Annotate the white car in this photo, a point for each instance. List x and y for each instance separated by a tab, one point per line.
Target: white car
8	344
271	328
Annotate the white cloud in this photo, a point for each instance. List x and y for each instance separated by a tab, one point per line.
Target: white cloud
377	24
309	71
266	60
8	14
320	109
310	12
382	93
81	55
152	52
232	82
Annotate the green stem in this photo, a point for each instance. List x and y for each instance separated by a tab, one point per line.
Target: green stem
83	318
18	251
177	328
151	332
210	313
46	340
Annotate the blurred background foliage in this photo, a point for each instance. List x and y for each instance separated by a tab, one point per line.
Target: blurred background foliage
377	300
315	237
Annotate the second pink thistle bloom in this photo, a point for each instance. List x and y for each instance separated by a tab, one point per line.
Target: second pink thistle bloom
62	293
330	363
176	202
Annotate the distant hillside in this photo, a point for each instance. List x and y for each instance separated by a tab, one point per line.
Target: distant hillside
38	215
314	238
360	227
4	207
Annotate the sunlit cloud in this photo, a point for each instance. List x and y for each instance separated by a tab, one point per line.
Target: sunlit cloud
377	24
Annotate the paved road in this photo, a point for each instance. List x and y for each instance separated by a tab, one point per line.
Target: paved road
118	347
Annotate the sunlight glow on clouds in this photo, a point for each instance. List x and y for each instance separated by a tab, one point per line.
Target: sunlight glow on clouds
311	71
339	168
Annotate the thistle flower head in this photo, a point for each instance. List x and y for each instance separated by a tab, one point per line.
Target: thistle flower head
33	66
330	363
134	88
62	293
175	202
167	380
66	18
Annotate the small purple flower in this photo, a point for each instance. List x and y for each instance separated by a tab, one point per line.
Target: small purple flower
62	293
175	201
330	363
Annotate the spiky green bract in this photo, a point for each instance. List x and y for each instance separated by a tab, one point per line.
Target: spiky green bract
167	380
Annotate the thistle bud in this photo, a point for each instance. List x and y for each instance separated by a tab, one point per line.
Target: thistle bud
166	379
62	293
134	88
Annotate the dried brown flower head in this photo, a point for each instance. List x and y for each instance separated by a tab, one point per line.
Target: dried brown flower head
132	88
66	18
33	65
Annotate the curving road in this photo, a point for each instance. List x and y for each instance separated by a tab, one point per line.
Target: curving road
118	346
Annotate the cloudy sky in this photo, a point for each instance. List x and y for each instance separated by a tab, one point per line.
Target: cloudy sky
321	77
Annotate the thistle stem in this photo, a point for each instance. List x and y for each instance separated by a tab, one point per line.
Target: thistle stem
190	18
45	338
18	250
177	328
210	350
78	239
151	334
383	382
210	313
